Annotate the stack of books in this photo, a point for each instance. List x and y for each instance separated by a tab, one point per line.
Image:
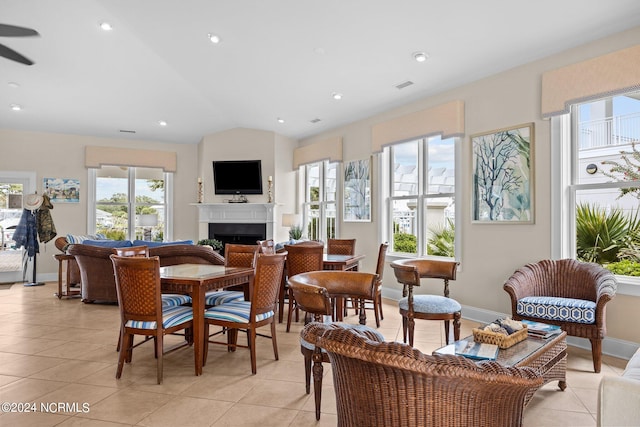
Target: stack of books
476	350
541	330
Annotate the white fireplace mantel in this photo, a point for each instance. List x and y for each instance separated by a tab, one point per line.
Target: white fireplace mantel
254	213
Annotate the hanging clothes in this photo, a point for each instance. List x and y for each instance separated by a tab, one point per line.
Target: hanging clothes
26	233
46	227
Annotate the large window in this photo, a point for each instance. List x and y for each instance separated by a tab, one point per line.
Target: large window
598	209
421	193
131	203
320	207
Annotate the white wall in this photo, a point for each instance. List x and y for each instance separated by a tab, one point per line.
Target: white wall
490	252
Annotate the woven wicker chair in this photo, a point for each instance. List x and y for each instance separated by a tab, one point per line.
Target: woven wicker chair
567	293
302	258
141	311
393	384
316	302
235	255
253	314
341	246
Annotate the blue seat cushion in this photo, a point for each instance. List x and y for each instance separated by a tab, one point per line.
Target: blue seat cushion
173	300
171	316
560	309
221	297
153	244
365	330
435	304
235	311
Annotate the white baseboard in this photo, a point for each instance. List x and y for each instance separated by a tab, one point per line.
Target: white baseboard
610	346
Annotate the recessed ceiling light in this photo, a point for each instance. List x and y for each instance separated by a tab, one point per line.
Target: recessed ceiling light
337	96
420	56
16	107
162	123
280	120
106	26
214	38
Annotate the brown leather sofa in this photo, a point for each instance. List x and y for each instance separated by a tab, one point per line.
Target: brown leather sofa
96	270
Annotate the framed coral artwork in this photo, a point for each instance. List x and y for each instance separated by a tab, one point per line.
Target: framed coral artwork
502	186
357	191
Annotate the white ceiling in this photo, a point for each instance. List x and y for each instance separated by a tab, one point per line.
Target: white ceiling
278	58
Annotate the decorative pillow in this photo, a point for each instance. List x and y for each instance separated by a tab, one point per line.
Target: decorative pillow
109	243
152	244
74	239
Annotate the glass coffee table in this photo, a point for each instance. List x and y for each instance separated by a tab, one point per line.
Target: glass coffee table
547	356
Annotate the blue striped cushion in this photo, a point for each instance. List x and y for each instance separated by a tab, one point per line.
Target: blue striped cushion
171	316
172	300
431	304
365	330
561	309
237	311
222	297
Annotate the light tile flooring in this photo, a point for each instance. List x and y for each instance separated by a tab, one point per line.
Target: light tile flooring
63	351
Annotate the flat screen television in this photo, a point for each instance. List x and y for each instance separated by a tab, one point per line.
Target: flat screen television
237	177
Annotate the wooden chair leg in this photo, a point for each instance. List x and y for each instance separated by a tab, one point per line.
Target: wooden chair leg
205	348
596	354
159	348
274	340
380	305
456	326
376	310
317	379
252	349
404	329
308	354
290	314
124	350
446	332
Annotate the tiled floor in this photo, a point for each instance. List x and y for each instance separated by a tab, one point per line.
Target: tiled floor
63	351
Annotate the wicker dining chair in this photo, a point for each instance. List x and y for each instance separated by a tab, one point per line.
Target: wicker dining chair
250	315
267	246
301	258
235	255
394	384
141	310
168	300
315	301
341	246
408	272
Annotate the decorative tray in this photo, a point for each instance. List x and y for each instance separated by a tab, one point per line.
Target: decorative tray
501	340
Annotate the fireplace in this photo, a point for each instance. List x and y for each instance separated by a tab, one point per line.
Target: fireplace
242	223
241	233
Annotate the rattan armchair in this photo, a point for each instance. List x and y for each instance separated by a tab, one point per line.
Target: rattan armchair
301	258
568	293
393	384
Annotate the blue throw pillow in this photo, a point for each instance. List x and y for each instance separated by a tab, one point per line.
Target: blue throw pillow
109	243
152	244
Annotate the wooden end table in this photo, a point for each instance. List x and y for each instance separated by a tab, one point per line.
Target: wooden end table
63	262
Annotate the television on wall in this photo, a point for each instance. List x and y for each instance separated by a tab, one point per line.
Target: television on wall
237	177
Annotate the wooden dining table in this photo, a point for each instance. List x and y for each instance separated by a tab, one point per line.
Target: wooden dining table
196	280
341	262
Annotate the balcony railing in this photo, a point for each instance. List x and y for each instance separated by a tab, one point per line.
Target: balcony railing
617	130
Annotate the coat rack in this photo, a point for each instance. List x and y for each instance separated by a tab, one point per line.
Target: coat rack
32	203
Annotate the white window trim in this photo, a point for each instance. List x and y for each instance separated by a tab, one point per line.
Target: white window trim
91	204
563	201
384	205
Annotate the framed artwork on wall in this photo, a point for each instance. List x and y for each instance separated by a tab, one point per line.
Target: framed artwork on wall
357	191
62	190
502	174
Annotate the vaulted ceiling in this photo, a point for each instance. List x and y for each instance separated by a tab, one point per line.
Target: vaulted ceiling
277	59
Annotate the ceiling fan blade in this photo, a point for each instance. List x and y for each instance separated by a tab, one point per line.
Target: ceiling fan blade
14	56
15	31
